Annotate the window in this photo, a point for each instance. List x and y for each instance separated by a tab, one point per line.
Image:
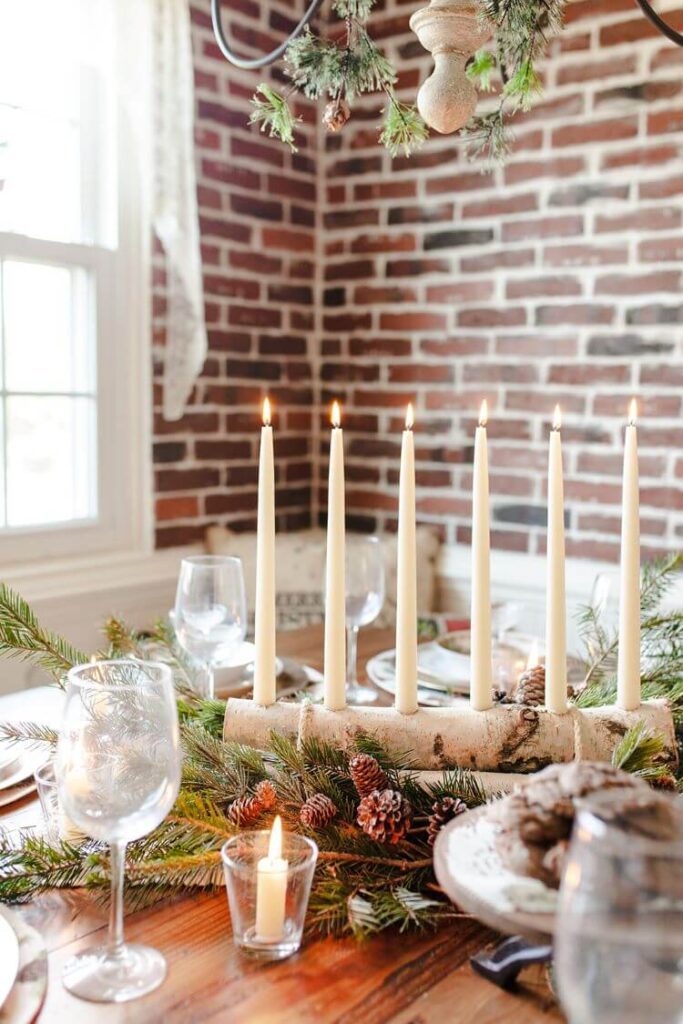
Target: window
72	357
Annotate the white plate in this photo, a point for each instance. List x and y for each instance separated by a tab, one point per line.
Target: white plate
27	763
9	958
432	689
9	796
471	872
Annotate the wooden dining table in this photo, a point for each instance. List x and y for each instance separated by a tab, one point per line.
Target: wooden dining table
403	979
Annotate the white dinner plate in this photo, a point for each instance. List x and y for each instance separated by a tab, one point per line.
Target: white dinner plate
9	958
27	762
471	872
9	796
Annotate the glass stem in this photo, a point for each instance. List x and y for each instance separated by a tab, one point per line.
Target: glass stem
210	684
352	655
118	862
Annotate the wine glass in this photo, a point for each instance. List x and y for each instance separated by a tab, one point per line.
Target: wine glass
364	600
210	610
118	774
619	929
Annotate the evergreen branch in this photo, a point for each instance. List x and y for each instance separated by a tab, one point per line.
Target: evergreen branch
21	636
30	733
488	137
640	753
272	113
403	129
480	69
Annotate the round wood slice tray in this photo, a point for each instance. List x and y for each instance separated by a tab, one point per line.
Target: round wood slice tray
470	871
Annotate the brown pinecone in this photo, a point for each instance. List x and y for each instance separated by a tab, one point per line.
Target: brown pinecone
245	810
318	811
385	815
265	792
443	811
367	774
531	686
336	114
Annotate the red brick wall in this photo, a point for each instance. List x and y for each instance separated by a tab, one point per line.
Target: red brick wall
555	279
257	205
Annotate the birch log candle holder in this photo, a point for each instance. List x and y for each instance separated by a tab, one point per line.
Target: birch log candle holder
505	738
452	30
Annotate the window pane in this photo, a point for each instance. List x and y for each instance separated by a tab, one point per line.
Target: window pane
40	172
46	328
51	461
57	151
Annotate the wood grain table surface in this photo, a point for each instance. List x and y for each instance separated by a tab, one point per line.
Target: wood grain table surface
423	979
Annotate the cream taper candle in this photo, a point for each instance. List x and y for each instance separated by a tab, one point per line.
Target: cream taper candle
628	664
271	889
481	670
406	578
556	613
335	586
264	608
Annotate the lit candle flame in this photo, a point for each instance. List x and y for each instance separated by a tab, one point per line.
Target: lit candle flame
633	412
275	840
266	412
483	413
532	660
336	415
410	416
557	418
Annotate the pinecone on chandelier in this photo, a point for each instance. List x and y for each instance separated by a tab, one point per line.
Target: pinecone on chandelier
336	114
443	811
317	811
367	774
531	686
245	810
385	815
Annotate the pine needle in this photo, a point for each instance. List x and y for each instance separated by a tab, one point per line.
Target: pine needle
21	636
640	752
272	113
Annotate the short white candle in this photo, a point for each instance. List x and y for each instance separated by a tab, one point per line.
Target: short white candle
556	614
264	610
406	578
271	889
628	664
334	686
481	669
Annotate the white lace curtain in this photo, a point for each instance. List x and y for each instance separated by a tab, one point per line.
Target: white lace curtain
174	200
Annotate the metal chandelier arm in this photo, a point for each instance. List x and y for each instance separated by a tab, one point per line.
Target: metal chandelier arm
658	22
249	63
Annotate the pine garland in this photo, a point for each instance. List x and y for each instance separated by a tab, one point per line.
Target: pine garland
340	69
350	63
522	29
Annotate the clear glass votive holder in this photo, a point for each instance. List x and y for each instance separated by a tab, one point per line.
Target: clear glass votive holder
243	859
56	824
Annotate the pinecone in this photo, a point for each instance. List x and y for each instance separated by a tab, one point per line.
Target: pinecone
443	811
531	686
367	774
318	811
385	815
245	810
265	792
336	114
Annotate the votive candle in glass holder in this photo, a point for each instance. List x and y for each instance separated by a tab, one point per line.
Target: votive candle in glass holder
57	826
268	878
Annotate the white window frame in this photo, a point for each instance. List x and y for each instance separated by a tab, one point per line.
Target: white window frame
121	282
